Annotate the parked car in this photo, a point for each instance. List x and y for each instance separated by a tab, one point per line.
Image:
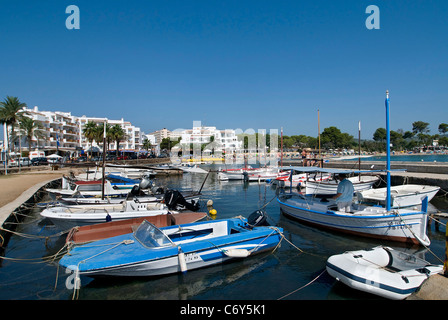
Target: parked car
23	161
39	161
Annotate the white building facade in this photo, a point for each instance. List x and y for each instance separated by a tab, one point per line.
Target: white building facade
63	132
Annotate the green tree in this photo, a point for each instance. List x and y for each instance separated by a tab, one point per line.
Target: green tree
380	135
10	113
31	129
443	128
90	131
332	137
420	127
117	134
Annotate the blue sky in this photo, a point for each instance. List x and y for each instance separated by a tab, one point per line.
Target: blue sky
231	64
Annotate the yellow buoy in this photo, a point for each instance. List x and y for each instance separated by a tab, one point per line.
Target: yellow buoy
213	212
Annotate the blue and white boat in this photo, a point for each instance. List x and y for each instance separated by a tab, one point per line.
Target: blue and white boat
401	224
150	251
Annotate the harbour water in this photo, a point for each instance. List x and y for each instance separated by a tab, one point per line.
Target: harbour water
269	276
416	157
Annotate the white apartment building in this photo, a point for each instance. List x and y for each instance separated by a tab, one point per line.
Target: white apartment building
224	141
62	131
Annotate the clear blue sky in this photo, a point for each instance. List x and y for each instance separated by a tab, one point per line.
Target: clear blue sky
231	64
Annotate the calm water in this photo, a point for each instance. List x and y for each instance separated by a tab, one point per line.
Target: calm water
412	157
261	277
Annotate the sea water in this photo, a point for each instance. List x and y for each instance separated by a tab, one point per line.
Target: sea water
268	276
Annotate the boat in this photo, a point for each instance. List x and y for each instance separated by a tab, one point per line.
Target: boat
406	195
89	188
330	186
84	234
69	216
294	180
403	224
382	271
251	174
152	251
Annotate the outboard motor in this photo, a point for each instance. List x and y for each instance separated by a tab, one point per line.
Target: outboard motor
258	218
145	182
174	199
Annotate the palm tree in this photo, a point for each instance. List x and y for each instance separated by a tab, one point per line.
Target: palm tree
90	131
9	114
117	134
31	129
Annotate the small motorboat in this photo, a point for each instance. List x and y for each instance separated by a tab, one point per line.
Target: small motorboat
69	216
382	271
94	232
151	251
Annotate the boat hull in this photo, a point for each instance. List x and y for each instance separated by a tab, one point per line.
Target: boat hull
372	222
373	271
131	258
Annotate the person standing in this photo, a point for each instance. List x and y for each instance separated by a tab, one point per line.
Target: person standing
345	191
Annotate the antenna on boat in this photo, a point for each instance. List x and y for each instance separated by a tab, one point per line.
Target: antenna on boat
387	151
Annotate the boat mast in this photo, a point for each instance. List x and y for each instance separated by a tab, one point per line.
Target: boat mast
359	148
318	134
388	152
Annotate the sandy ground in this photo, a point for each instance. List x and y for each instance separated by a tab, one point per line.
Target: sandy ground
13	185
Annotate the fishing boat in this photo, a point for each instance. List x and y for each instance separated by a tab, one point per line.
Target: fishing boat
152	251
406	195
382	271
94	232
330	186
403	224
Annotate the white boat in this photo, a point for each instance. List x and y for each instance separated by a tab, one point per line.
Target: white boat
406	195
67	217
402	225
86	189
382	271
329	187
251	174
299	179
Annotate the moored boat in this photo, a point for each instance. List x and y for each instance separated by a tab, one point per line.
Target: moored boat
382	271
401	225
150	251
94	232
406	195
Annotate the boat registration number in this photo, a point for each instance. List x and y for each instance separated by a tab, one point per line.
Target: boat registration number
192	257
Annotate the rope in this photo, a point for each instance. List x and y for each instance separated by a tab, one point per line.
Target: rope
418	238
304	286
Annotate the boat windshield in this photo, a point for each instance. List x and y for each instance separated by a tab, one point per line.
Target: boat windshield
149	236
